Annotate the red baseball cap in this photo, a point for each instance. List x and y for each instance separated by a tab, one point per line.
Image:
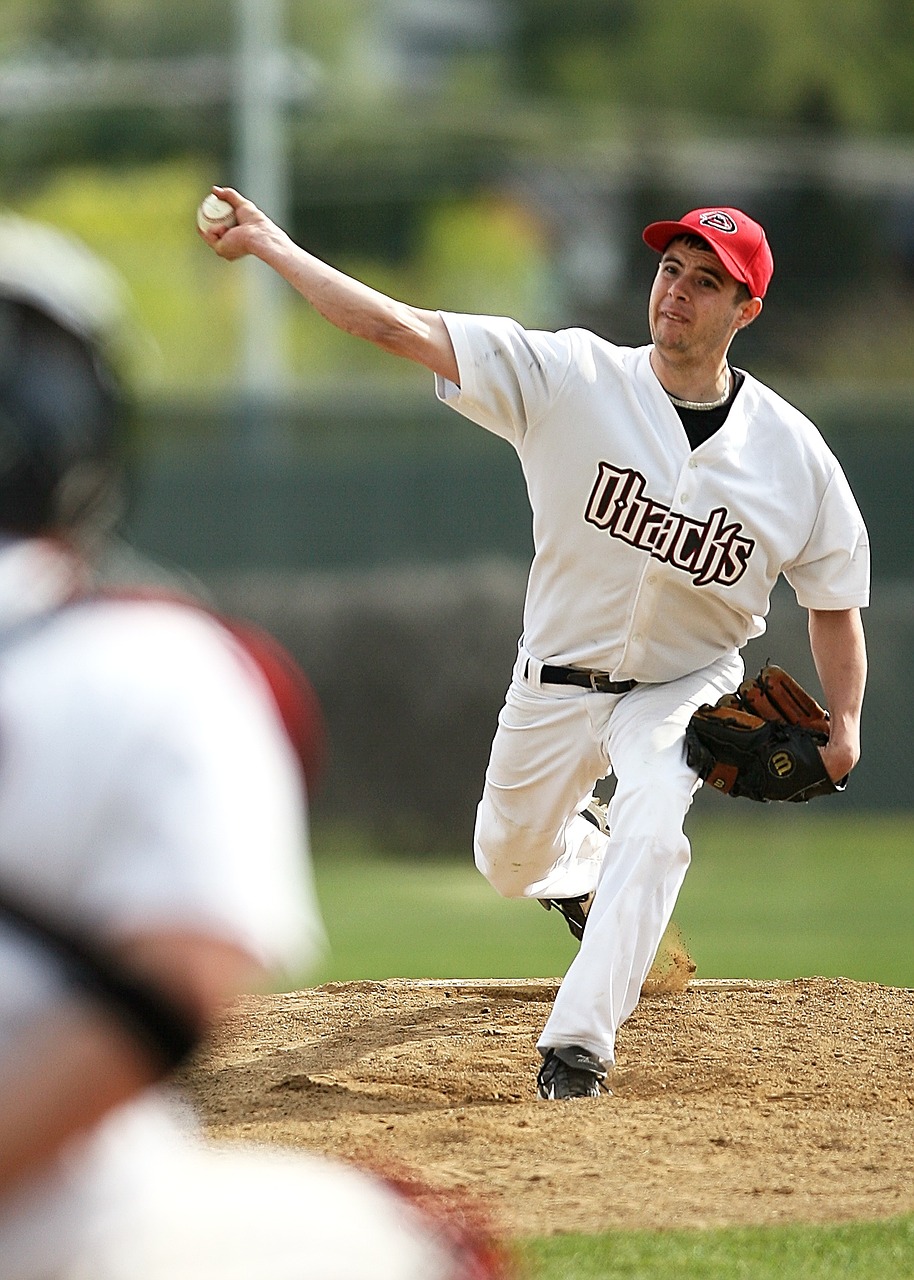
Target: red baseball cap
739	242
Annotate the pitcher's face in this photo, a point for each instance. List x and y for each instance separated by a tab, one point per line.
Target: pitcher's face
696	305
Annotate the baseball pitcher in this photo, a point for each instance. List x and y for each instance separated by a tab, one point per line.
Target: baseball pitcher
669	490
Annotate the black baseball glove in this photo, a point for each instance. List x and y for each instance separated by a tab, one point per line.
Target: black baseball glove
762	742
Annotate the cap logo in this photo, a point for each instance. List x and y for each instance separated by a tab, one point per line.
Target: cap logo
719	221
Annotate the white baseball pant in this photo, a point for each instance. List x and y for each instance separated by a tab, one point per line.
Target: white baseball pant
553	744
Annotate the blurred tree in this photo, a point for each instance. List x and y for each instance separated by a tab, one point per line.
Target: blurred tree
114	27
732	60
725	59
595	113
618	65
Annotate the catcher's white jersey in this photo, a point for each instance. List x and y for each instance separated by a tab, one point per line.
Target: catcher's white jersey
142	763
651	559
146	782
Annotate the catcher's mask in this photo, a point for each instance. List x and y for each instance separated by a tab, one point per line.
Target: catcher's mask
60	415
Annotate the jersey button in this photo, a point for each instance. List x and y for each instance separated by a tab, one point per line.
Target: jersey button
683	497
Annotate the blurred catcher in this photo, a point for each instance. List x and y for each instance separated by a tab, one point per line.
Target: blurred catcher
153	865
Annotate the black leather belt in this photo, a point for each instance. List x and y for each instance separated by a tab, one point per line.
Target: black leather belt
598	681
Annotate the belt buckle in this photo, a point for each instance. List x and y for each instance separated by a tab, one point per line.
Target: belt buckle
594	677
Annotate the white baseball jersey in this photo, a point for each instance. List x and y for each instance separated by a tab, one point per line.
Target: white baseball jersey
145	782
651	560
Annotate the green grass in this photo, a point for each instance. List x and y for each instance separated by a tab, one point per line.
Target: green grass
773	893
865	1251
431	918
793	894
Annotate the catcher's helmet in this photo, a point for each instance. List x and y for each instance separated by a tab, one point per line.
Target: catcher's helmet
61	414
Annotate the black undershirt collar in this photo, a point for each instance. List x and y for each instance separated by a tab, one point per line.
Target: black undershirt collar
700	424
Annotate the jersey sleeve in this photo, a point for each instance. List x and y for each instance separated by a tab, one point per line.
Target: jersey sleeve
833	569
508	375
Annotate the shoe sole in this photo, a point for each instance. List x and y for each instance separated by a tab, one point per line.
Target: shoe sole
602	1092
575	927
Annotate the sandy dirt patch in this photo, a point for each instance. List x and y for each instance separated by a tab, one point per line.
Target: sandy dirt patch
733	1102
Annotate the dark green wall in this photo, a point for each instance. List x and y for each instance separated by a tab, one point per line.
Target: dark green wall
367	484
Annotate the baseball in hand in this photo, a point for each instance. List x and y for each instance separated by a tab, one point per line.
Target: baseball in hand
214	213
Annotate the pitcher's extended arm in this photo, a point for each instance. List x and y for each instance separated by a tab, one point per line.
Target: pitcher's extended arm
411	332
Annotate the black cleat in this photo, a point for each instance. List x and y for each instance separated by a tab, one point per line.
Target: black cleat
597	813
573	909
570	1072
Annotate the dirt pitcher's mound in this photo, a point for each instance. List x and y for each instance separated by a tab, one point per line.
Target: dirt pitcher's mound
733	1101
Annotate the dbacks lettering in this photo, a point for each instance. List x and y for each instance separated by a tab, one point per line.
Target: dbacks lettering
709	550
